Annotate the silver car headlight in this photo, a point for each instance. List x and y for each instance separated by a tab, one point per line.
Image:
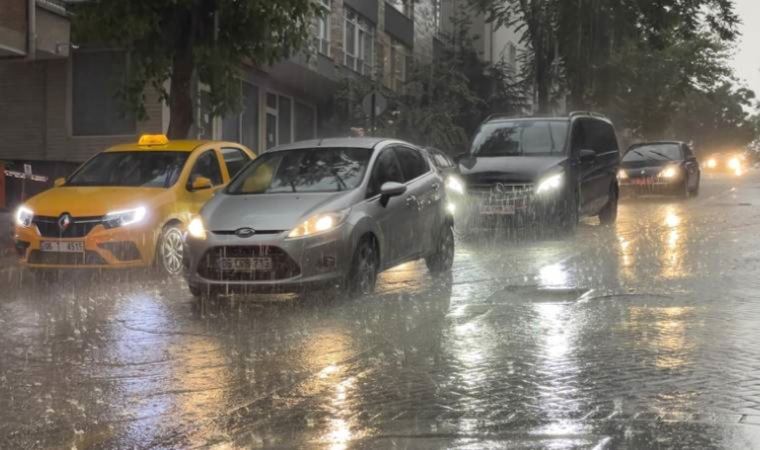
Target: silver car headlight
125	217
551	183
319	223
24	216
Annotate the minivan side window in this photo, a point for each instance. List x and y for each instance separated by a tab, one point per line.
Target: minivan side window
413	163
599	136
386	169
234	159
207	165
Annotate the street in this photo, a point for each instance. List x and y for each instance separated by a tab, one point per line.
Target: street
640	335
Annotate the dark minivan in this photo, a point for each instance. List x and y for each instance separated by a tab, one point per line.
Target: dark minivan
547	170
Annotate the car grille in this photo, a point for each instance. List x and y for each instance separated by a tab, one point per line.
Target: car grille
503	194
122	250
283	266
79	226
88	258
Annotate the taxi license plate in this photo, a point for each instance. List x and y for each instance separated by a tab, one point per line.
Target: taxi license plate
497	210
246	264
62	246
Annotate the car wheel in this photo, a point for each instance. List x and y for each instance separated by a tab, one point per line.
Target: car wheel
695	191
170	250
364	267
442	258
684	191
569	215
608	214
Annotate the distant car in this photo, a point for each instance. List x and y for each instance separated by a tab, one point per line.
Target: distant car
545	170
732	163
127	206
668	167
321	213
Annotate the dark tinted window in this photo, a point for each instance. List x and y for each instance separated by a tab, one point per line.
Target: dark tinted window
235	159
303	170
139	168
521	137
689	153
207	165
598	136
413	163
386	169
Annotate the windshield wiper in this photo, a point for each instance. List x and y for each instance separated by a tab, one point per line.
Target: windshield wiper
661	155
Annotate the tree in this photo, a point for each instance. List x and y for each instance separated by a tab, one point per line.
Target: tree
177	40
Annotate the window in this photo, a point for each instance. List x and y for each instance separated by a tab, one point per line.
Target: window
140	168
243	126
522	137
304	121
399	55
323	28
359	39
207	165
386	169
234	159
284	120
600	136
413	164
405	7
95	110
512	49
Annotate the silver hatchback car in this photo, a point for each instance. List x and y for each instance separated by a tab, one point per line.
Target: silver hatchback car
321	213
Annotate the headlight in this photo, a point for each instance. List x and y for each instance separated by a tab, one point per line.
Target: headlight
455	184
196	228
319	223
24	216
669	172
622	175
550	183
734	164
712	163
125	217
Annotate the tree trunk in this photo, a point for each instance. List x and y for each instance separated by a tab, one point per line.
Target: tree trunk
180	97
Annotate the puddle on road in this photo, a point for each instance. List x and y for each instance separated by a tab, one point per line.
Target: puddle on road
539	294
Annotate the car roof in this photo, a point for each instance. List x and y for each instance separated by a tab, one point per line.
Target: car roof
344	142
179	145
498	118
641	144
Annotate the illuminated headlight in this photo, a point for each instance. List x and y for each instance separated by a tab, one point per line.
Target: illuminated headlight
622	175
712	163
196	228
734	164
669	172
454	184
125	217
24	216
550	183
319	223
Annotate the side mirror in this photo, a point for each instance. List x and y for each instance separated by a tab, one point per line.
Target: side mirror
587	156
59	182
200	183
391	189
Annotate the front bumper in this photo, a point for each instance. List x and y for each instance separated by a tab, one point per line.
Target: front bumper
646	184
99	248
296	264
519	205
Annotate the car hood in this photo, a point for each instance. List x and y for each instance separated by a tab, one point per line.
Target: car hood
81	201
271	212
509	169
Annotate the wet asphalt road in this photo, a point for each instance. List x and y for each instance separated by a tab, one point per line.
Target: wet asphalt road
643	335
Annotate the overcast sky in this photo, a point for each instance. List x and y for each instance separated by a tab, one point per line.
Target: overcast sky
747	58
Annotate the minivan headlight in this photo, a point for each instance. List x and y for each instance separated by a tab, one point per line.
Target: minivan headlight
125	217
24	216
550	183
319	223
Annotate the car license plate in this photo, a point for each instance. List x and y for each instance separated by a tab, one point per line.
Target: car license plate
497	210
246	264
62	246
641	181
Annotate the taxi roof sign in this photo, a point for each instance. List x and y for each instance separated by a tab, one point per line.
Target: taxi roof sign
153	139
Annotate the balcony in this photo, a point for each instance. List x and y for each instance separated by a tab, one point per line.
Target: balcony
399	26
51	27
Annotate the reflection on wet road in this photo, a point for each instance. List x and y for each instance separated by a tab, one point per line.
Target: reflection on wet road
640	335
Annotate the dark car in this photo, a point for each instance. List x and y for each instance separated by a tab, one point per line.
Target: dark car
668	167
545	170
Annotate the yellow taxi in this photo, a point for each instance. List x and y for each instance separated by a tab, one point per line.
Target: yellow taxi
127	206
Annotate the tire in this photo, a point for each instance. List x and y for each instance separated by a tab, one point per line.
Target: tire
442	258
695	191
608	214
684	191
569	214
196	291
364	267
169	251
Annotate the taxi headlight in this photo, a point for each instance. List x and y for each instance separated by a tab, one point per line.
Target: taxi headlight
550	183
196	228
319	223
24	216
125	217
669	172
454	184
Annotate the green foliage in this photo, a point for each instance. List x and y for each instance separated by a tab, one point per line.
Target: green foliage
177	39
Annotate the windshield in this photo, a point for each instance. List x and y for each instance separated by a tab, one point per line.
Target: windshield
305	170
132	168
661	152
521	138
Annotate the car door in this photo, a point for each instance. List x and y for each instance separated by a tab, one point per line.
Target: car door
582	170
597	174
206	165
391	217
423	202
234	159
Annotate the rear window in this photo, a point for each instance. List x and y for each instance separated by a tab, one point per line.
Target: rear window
521	138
